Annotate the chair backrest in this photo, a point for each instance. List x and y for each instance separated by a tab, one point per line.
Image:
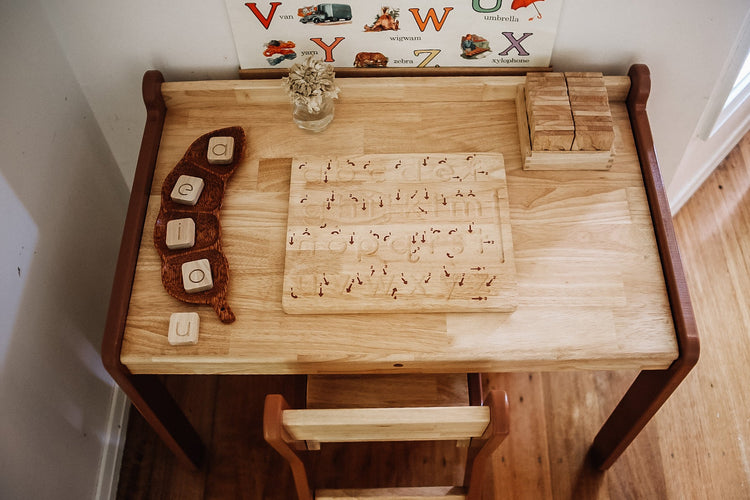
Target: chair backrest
290	431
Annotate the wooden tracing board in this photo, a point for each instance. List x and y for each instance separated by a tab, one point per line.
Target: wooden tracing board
410	232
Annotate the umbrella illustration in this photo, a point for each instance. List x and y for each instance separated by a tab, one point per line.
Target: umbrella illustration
517	4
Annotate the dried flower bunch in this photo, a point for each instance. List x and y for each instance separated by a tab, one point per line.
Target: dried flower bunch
309	82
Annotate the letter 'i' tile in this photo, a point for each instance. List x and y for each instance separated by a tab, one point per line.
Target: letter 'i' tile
220	150
187	190
183	328
180	233
196	276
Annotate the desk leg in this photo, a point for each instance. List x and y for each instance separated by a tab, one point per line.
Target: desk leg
146	392
652	387
153	401
646	395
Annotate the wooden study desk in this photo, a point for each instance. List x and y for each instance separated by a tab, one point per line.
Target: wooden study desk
600	283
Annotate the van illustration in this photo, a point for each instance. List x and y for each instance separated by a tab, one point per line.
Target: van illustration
325	13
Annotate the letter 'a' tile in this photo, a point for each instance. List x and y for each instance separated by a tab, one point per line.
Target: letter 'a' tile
184	328
220	150
187	190
196	276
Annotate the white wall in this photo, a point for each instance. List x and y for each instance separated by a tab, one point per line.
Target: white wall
62	203
111	43
684	43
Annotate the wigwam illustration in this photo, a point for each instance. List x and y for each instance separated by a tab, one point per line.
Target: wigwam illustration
385	21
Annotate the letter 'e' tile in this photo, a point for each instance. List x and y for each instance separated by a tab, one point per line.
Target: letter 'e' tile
187	190
196	276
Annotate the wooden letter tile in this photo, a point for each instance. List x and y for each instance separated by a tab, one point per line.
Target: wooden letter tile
220	150
183	328
180	233
187	190
196	276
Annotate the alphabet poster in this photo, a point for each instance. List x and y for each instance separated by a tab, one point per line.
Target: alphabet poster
395	33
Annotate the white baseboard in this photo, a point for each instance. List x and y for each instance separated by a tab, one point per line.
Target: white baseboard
112	446
702	157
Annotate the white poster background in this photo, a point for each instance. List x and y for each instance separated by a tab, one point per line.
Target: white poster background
429	33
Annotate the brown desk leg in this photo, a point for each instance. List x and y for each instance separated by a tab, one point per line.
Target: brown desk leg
153	401
643	399
146	392
652	387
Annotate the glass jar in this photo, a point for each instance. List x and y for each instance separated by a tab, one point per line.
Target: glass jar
314	121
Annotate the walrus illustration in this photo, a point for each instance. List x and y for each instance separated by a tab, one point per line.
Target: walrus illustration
370	60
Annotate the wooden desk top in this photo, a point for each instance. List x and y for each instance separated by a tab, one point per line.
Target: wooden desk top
591	290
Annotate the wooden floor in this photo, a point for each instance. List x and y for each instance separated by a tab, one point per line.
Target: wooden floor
697	446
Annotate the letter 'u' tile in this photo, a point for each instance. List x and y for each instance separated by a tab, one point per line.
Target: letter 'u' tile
184	328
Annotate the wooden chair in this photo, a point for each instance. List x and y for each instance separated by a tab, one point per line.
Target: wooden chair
390	408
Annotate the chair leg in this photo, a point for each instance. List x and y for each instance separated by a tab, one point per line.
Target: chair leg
276	436
481	449
476	395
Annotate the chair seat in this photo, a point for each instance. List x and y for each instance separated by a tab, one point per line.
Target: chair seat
431	493
387	391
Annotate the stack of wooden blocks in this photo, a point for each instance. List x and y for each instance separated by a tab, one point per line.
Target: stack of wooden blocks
566	113
548	109
590	108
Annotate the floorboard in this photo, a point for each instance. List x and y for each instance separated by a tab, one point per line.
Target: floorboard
697	446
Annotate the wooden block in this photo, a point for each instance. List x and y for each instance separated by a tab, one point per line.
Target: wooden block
553	140
583	74
597	102
547	109
187	190
548	91
183	328
180	233
220	150
546	123
196	276
546	78
593	140
585	82
591	115
589	106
